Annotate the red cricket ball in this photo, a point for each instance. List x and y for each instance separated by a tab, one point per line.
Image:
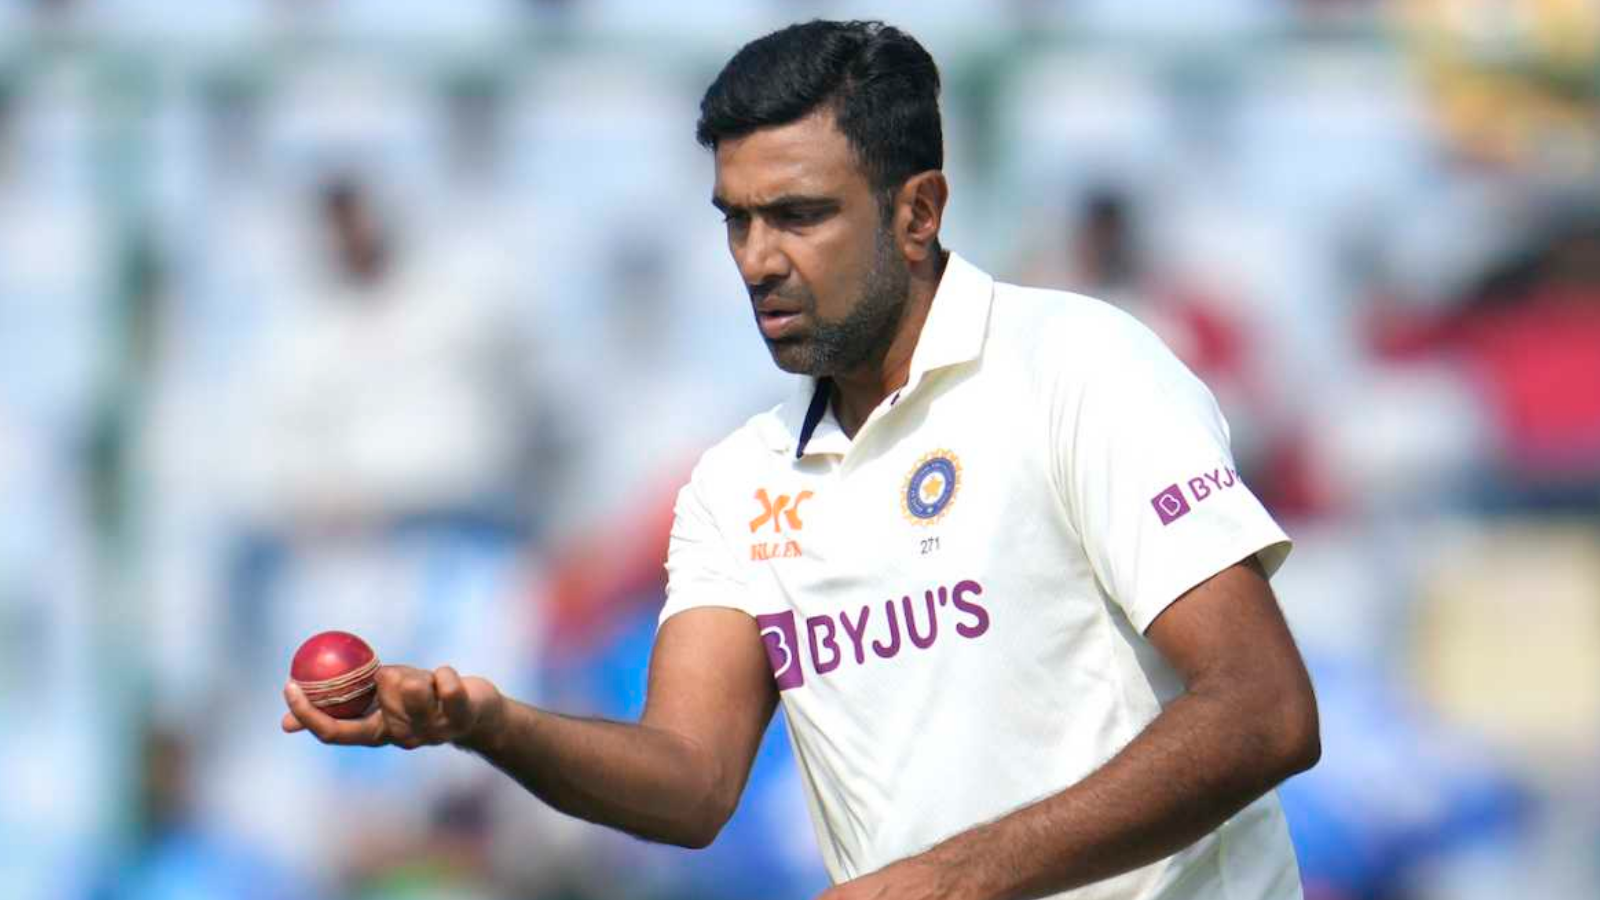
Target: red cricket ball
338	673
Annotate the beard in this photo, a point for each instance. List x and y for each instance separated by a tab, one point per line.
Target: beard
863	334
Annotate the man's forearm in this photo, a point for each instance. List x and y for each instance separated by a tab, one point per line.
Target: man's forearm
1199	762
642	780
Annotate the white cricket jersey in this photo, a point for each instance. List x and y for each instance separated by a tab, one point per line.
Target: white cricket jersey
954	601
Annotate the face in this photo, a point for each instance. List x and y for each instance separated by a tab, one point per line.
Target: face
826	280
356	236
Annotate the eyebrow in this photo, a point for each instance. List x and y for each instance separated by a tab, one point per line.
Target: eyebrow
778	204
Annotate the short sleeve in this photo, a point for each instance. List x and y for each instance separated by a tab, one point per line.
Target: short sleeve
1149	481
702	569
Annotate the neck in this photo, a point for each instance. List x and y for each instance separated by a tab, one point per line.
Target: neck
856	393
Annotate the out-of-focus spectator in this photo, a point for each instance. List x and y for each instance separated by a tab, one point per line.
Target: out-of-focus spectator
395	390
175	853
449	858
1529	338
1107	256
376	483
382	462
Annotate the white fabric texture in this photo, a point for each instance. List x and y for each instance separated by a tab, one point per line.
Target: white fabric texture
954	600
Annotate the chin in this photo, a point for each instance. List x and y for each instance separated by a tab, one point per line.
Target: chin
794	357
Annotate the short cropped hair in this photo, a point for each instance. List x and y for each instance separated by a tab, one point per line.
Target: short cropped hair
881	84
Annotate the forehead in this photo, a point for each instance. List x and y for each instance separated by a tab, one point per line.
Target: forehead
807	157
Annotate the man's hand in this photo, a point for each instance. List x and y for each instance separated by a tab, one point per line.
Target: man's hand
416	708
911	879
675	776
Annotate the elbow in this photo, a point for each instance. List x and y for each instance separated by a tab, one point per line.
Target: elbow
1284	737
697	800
700	828
690	829
1302	755
1300	737
703	817
698	839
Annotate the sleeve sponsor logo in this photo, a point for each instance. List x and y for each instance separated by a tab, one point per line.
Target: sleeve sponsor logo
1173	503
872	632
1170	504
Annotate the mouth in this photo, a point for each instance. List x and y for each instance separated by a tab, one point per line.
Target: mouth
777	325
778	317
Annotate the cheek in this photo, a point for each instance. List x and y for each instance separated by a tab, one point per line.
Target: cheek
833	269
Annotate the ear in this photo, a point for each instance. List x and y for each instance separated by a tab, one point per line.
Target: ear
919	212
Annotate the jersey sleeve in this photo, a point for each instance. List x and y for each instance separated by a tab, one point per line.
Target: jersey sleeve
1149	481
702	569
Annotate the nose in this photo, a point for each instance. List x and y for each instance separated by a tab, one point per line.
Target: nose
759	255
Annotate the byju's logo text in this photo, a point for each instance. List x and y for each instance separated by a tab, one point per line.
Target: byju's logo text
1173	502
870	632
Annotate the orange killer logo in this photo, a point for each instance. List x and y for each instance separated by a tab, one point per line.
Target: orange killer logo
772	510
780	512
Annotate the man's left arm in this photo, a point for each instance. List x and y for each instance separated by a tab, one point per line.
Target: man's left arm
1246	721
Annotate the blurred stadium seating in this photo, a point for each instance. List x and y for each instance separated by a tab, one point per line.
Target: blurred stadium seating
450	409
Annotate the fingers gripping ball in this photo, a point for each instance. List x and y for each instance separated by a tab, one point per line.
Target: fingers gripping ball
338	673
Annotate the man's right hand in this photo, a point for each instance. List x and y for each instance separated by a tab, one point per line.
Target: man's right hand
416	708
675	776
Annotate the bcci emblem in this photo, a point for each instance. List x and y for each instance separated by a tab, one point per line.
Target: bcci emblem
931	487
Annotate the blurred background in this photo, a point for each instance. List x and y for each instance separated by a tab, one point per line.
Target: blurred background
410	317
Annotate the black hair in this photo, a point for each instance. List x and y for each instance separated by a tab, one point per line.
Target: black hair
882	85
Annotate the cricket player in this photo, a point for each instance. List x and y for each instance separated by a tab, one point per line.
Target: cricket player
993	556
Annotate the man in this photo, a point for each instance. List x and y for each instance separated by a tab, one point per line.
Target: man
993	555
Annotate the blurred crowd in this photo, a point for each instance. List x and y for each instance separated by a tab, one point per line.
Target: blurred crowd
409	318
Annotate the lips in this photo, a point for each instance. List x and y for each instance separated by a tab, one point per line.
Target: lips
776	326
777	318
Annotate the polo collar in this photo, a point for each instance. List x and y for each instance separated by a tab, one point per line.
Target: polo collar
957	322
952	334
